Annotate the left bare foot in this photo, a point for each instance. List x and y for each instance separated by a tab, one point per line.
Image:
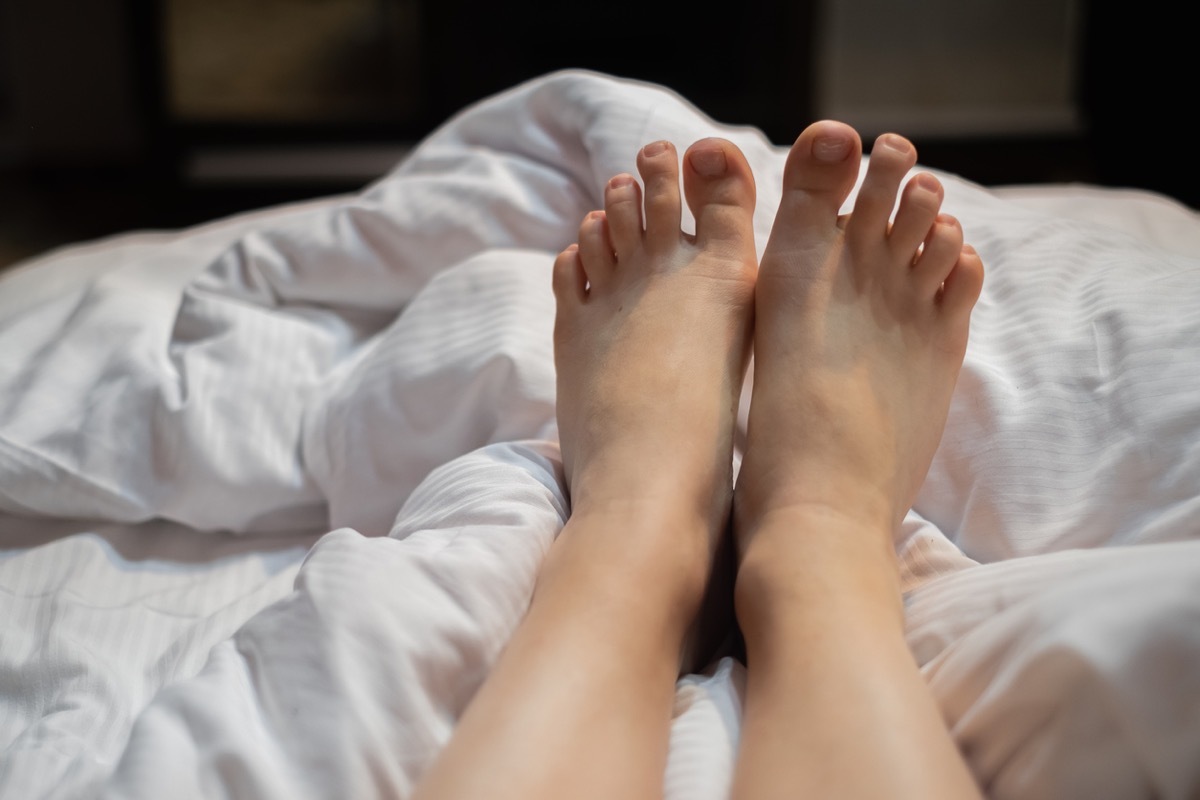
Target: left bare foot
651	343
651	340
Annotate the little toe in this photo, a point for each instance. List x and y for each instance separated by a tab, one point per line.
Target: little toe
891	159
821	169
623	209
595	249
719	187
659	167
939	255
962	286
569	279
919	206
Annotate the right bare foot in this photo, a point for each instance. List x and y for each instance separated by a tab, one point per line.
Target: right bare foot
860	334
861	327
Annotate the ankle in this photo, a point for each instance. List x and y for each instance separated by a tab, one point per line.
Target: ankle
641	484
814	502
640	559
801	560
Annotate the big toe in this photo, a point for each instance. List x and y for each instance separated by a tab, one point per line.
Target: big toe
821	169
719	186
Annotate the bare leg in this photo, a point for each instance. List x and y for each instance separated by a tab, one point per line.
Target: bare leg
651	342
860	333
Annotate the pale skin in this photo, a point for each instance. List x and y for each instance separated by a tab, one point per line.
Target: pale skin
859	327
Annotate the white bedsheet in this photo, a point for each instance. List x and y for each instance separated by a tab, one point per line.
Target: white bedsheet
380	363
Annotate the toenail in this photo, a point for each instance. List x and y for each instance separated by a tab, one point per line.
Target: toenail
894	142
928	182
654	149
708	162
831	149
619	181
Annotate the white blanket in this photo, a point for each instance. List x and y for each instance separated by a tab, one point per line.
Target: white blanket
381	364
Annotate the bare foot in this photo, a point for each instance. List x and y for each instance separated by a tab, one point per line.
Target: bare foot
860	334
651	341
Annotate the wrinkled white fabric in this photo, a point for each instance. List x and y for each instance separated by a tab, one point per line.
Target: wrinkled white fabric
381	362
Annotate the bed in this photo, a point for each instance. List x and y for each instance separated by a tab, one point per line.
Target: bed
274	490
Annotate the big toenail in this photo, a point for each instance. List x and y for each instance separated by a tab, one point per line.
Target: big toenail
897	143
831	149
654	149
709	163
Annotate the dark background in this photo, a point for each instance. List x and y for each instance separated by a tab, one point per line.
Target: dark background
95	140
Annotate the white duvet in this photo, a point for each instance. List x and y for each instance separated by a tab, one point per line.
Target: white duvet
183	415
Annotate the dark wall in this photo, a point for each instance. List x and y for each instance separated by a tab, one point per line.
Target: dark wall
1142	81
746	64
89	145
70	91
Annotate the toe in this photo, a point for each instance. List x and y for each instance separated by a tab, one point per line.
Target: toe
623	209
963	285
891	159
568	278
821	169
659	167
719	187
938	257
595	248
919	206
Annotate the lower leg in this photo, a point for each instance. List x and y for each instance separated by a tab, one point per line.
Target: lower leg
651	340
580	702
835	703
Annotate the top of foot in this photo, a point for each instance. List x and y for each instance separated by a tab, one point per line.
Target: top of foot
862	324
